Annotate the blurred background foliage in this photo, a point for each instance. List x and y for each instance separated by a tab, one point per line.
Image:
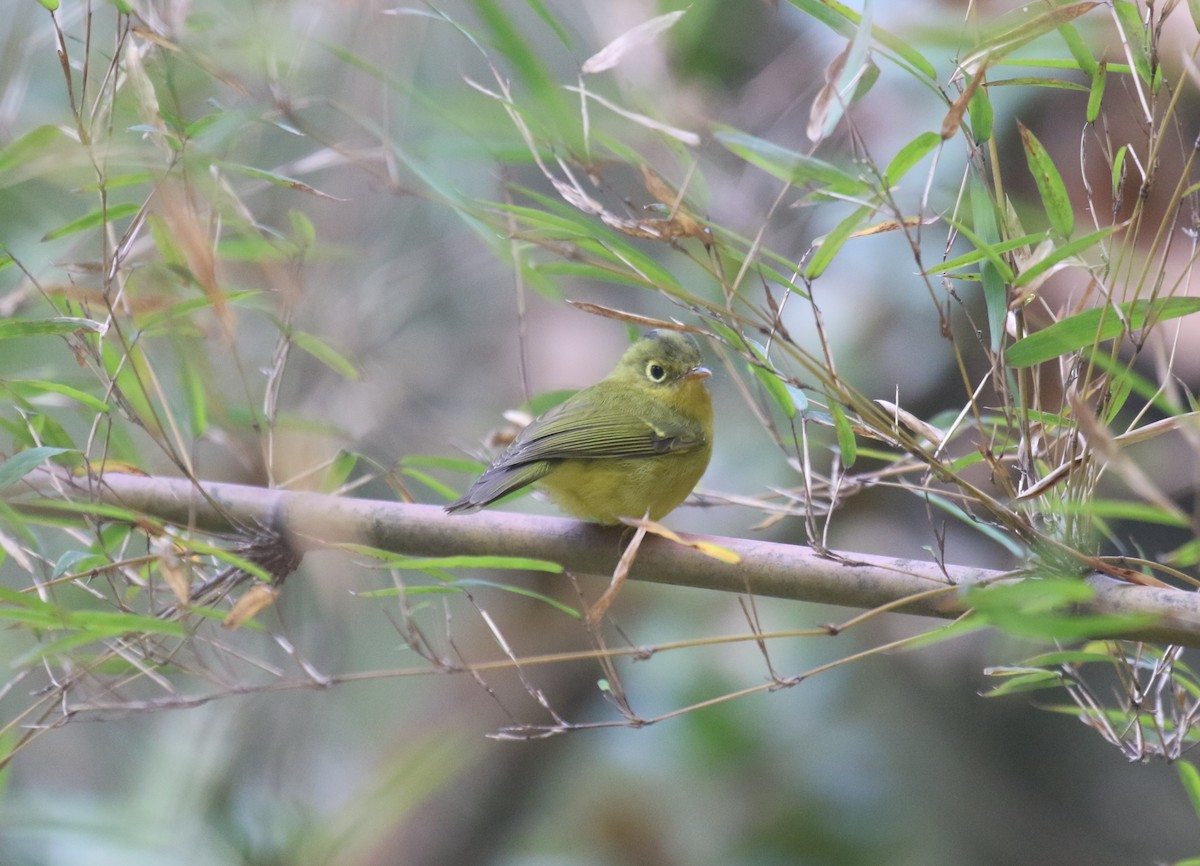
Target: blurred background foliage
304	225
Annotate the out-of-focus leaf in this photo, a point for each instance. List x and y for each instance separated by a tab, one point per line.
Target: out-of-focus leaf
788	165
93	219
22	463
846	21
30	389
1051	189
1190	777
39	327
28	147
631	40
399	561
326	354
1093	326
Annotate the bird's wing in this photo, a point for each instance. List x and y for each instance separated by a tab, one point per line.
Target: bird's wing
578	429
581	429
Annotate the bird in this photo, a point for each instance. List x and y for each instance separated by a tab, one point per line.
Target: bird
633	445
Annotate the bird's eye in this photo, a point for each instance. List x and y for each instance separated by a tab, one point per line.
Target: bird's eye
655	371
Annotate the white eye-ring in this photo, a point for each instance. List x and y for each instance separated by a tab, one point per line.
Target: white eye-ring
655	372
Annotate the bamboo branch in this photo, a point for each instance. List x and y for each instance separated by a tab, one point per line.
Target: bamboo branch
765	568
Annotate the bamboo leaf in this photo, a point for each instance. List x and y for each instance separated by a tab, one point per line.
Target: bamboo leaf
788	165
1051	189
1094	326
22	463
326	354
832	242
92	220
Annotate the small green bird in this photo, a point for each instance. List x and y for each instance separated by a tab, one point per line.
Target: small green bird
635	443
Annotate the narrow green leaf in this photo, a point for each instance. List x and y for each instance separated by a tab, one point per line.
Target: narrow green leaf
788	165
980	112
1094	326
845	21
1079	49
326	354
1062	253
833	242
994	272
303	231
1118	171
388	559
910	155
977	255
31	389
1194	8
1190	778
847	444
1051	188
22	463
1022	682
1096	94
1129	18
339	470
40	327
28	147
1005	42
94	219
278	180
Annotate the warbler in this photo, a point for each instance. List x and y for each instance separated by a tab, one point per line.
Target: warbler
633	444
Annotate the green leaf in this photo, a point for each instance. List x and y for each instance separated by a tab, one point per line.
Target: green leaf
1051	188
30	389
1194	8
28	147
1005	42
847	444
22	463
977	255
980	111
771	383
388	559
326	354
92	220
1021	680
994	272
1079	49
1094	326
1118	171
788	165
39	327
1096	94
1129	18
833	242
278	179
846	21
1066	251
339	470
1190	778
910	155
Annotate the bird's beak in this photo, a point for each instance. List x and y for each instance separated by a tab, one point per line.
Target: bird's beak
697	373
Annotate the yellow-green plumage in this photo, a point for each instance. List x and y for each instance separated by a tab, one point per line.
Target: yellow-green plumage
635	442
